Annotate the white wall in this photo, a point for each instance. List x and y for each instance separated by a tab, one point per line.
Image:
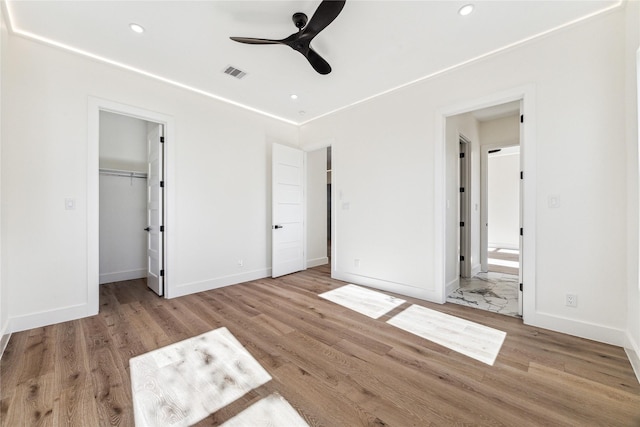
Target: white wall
503	185
221	158
123	217
316	253
466	125
389	144
632	75
4	294
123	142
502	131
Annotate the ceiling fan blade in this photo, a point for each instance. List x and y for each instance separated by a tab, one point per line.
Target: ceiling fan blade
323	16
317	62
249	40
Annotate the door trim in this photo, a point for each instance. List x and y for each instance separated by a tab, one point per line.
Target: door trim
95	105
526	94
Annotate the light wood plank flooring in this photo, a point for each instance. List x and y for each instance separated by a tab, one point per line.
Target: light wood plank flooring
335	366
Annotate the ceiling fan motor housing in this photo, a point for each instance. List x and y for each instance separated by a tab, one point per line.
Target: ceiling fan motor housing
299	19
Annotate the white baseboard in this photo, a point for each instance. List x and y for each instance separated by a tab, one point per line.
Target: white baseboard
317	261
515	247
120	276
4	338
591	331
50	317
399	288
632	349
218	282
452	286
475	270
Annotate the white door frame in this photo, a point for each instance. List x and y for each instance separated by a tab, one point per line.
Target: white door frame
95	105
526	94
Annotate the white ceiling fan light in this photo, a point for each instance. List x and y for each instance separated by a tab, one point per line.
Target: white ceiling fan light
466	9
136	28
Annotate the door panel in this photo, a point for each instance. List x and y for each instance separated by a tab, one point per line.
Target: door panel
155	202
521	214
287	231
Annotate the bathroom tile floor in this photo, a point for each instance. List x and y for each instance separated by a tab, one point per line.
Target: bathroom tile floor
496	292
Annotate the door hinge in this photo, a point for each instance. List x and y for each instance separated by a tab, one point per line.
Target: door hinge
162	184
162	228
521	175
161	272
520	287
461	223
462	155
521	118
462	189
162	139
521	231
461	257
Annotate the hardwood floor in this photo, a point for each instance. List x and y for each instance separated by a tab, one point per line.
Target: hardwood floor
335	366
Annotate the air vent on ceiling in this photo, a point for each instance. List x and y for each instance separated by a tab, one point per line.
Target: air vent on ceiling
234	72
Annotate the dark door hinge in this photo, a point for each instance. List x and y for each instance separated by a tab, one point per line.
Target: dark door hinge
162	228
161	272
162	139
520	287
462	189
462	155
521	118
461	223
461	257
521	231
162	184
521	175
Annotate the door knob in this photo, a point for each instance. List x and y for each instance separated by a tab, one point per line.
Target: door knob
278	226
147	229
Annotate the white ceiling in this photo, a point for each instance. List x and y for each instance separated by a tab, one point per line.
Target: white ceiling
373	46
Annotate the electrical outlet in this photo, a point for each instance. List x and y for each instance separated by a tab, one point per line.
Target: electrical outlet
572	300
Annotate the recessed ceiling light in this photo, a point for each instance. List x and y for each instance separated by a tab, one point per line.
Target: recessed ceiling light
136	28
466	9
294	96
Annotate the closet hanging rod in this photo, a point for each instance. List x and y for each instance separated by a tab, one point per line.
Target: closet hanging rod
119	172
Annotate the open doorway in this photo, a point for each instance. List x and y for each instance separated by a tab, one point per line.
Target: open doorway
165	173
318	207
131	201
488	209
500	237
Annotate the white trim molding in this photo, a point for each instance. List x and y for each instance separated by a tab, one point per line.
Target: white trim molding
219	282
95	105
525	94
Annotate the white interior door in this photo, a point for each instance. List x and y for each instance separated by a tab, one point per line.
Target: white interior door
465	208
521	213
287	231
155	203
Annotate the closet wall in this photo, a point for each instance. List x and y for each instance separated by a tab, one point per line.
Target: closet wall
123	147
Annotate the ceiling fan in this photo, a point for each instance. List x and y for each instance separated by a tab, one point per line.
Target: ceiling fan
300	41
